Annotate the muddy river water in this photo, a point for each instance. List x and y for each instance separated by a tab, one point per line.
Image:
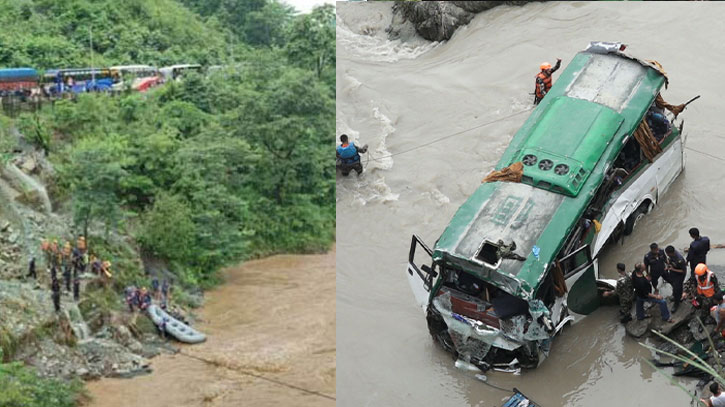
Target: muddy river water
396	96
272	318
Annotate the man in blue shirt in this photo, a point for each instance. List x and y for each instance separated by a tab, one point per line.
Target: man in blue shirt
348	156
677	270
698	250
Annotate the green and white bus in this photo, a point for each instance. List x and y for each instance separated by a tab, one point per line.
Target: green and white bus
519	259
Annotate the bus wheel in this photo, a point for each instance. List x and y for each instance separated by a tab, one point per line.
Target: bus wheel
635	217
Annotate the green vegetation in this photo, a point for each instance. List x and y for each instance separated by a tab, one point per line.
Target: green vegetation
21	387
203	172
200	173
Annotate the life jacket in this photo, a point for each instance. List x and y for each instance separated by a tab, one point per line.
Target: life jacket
547	84
706	288
348	153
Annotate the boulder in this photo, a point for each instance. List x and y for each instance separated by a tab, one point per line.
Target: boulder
438	20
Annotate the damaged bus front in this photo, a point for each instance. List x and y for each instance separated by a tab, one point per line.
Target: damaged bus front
519	256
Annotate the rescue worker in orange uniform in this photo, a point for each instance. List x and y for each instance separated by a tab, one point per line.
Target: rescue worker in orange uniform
704	290
543	80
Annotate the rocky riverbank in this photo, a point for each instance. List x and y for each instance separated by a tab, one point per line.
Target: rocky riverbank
438	20
92	338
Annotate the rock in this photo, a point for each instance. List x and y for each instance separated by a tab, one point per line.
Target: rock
637	328
438	20
29	165
5	226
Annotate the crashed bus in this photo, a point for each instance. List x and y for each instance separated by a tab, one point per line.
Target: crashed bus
518	260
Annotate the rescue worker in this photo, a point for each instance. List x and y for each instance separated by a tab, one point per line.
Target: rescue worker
82	244
165	290
655	264
706	288
55	288
45	248
31	268
155	291
131	294
643	290
55	253
348	156
543	80
698	250
144	299
76	288
625	292
677	270
66	276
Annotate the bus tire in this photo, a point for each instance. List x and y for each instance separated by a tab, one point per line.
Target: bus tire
635	217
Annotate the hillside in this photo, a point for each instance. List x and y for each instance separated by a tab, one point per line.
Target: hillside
178	182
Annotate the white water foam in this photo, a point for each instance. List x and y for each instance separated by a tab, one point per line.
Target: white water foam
373	44
383	158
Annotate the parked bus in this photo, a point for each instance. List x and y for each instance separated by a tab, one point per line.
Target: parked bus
519	259
79	80
18	81
136	77
174	72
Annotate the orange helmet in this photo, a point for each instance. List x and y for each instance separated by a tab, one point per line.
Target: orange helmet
701	269
545	65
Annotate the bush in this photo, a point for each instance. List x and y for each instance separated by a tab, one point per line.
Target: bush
22	387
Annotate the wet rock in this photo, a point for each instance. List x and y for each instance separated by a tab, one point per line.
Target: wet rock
438	20
637	328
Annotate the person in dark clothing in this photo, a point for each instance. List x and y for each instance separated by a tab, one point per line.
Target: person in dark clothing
155	291
165	286
66	277
348	156
643	293
144	299
53	273
698	250
658	123
625	292
31	269
76	287
543	80
131	294
55	288
677	271
655	263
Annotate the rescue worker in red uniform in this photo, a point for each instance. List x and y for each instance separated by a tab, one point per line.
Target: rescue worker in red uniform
543	80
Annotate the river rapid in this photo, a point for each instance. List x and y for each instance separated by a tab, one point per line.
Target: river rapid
271	332
395	96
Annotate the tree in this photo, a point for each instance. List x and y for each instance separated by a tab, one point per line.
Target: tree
167	229
265	27
94	174
311	41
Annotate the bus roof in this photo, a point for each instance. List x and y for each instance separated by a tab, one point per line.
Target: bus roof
13	73
132	68
582	123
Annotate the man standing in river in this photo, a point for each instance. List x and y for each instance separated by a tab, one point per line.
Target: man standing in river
543	80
